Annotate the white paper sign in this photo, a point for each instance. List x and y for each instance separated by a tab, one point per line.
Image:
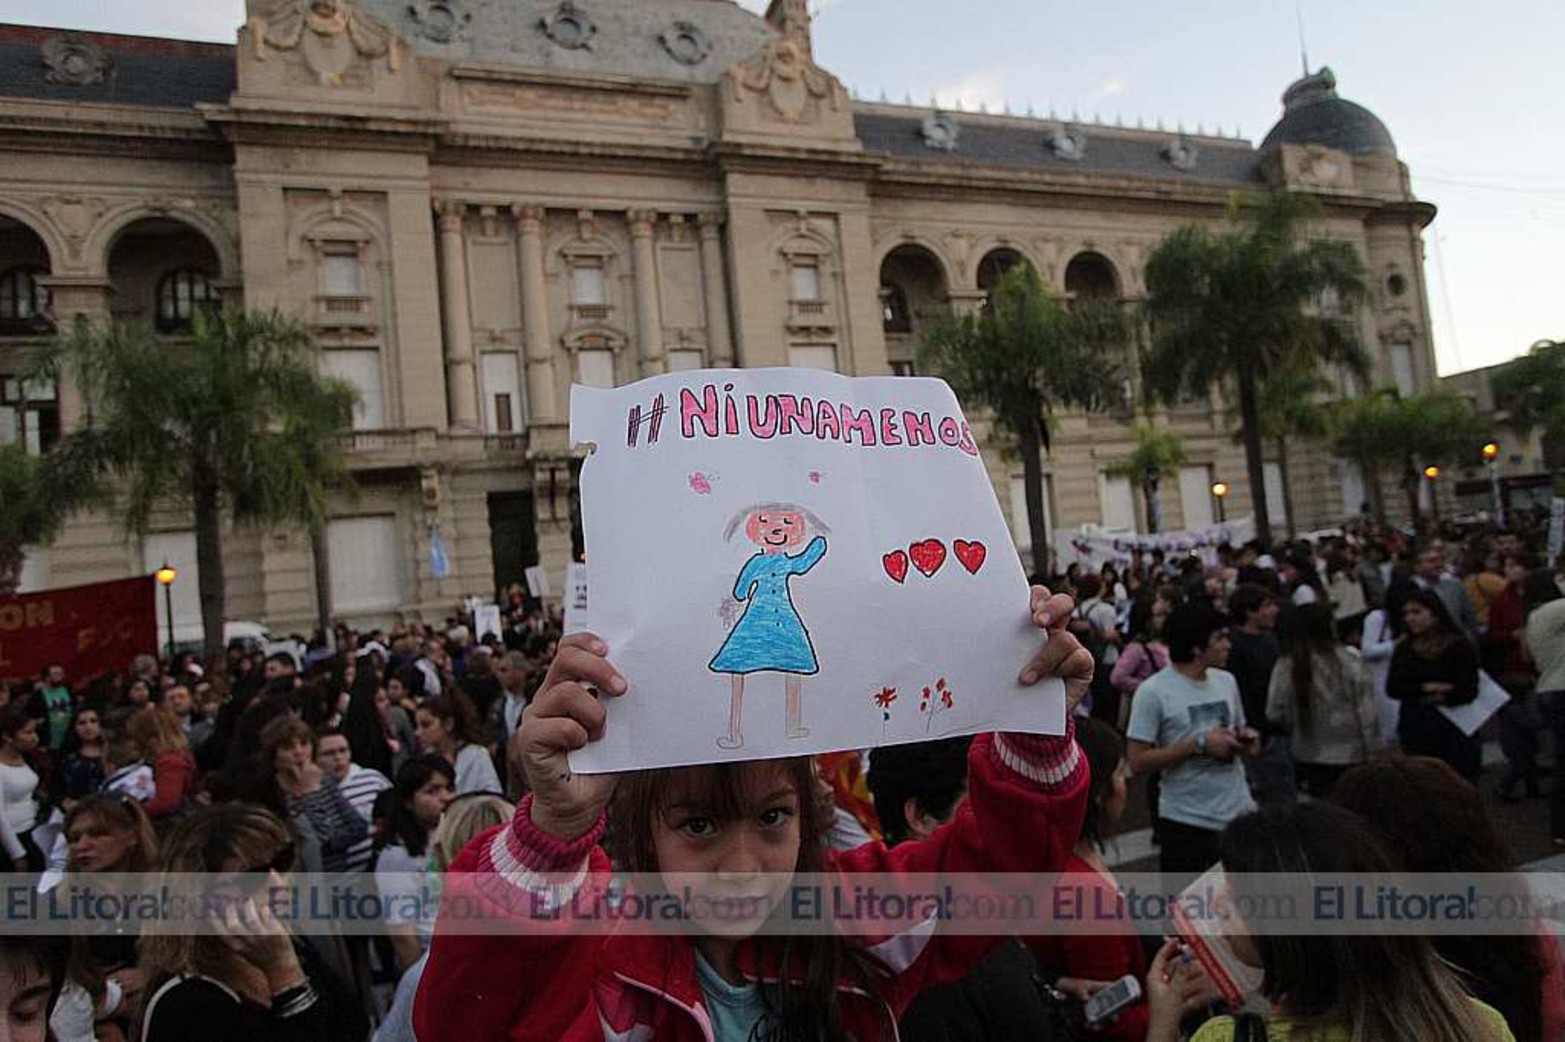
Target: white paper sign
787	561
1556	527
537	581
486	620
576	598
1470	717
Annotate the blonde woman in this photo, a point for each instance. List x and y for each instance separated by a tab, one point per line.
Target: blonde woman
246	974
465	817
163	744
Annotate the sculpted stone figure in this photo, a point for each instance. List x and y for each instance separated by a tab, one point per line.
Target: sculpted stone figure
329	33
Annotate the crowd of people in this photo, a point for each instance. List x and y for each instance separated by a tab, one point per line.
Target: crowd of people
1286	711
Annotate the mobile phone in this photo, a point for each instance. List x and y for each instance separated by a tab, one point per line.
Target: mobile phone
1122	993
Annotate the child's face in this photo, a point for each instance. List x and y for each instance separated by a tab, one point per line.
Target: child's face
745	865
775	529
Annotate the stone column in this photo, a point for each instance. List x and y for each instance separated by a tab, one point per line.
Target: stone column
649	314
535	315
720	344
461	373
73	298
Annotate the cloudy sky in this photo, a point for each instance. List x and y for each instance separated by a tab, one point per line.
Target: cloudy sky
1465	89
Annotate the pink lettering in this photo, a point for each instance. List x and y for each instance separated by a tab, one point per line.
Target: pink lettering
861	420
759	428
705	410
950	434
797	413
919	430
888	428
826	420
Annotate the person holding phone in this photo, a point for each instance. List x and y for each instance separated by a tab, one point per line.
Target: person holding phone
1188	722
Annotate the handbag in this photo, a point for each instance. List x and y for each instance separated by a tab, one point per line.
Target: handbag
1065	1018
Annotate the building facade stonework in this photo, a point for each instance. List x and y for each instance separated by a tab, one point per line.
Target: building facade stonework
476	204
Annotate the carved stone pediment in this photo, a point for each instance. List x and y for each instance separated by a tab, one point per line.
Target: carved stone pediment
331	36
783	83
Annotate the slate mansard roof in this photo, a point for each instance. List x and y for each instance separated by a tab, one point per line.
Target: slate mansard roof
107	68
1025	142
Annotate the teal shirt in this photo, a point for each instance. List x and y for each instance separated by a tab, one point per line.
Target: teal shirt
57	703
738	1012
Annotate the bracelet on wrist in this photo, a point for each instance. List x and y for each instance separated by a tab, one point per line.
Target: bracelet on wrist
293	1000
1200	744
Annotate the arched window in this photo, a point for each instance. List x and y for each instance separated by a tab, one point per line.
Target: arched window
994	264
1091	276
179	295
895	316
24	299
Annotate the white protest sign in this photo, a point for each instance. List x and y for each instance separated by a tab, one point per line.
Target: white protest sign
1093	547
486	620
576	598
787	561
537	581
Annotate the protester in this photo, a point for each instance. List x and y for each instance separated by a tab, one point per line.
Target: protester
359	786
55	705
464	817
32	974
1432	575
1253	651
448	727
18	788
250	977
513	671
1434	666
1545	638
1022	814
1520	719
80	769
1323	695
367	724
1330	985
157	734
1081	963
1144	653
1433	822
423	788
1188	722
288	745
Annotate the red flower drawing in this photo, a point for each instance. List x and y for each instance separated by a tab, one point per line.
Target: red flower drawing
943	699
887	696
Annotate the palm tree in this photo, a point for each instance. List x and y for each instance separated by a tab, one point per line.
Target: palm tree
1157	453
1290	408
1230	307
1025	355
36	497
236	419
1437	427
1360	430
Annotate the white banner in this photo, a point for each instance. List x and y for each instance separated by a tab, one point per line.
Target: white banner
1556	528
788	561
1093	547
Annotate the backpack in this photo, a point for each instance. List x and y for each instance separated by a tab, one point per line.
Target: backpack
1102	700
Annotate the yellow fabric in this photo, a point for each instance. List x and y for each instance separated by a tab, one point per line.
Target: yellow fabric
1278	1029
1482	589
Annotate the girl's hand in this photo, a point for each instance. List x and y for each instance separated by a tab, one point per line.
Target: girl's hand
1062	655
1079	989
564	717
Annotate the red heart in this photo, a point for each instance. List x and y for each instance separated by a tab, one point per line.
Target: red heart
895	564
928	556
970	554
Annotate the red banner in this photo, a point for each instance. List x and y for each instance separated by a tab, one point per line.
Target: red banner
90	630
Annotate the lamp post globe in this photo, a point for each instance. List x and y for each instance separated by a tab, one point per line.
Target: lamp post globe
166	576
1220	493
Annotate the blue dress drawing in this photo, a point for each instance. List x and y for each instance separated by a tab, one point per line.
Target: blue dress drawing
770	636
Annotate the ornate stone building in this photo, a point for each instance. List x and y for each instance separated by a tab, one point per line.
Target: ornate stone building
476	203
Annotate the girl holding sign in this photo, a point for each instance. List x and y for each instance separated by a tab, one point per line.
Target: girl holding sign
724	830
770	637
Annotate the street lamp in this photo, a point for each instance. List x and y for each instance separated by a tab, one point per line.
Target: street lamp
165	577
1491	456
1220	493
1432	474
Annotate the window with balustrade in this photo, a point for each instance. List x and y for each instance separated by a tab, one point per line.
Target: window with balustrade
180	295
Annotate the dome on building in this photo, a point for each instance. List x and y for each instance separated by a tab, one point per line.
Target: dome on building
1313	114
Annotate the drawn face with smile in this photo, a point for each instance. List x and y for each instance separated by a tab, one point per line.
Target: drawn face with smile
775	530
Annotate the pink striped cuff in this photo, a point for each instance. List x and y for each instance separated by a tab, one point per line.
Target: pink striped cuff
1053	761
549	869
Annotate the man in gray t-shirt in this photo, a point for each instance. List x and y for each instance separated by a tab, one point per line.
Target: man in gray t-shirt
1187	721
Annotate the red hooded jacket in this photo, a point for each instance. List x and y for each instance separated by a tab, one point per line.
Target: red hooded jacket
542	982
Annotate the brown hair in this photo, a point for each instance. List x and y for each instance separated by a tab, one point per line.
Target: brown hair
120	812
808	967
456	707
156	731
203	842
285	730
